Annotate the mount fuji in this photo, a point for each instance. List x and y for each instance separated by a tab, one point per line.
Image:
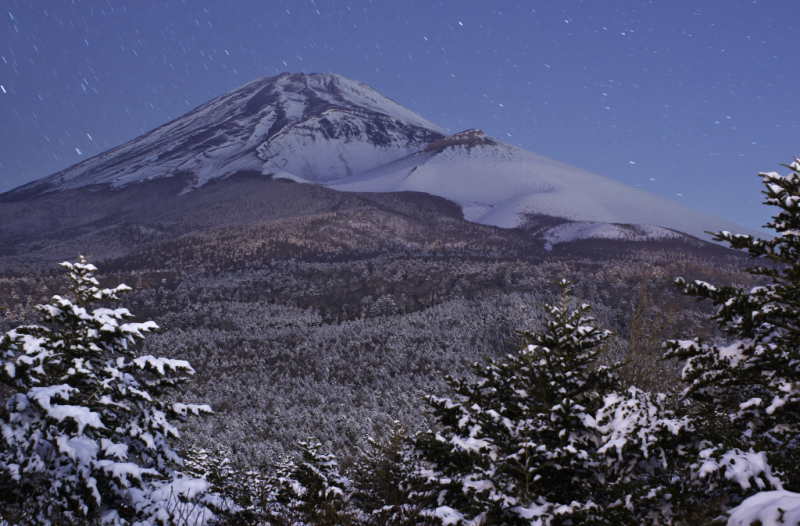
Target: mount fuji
319	127
328	130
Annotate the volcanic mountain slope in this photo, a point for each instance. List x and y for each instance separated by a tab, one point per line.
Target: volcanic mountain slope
323	128
502	185
319	127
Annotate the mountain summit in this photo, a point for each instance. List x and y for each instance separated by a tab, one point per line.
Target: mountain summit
319	127
326	129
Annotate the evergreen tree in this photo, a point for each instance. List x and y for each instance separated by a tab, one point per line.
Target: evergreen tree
86	434
310	489
238	491
381	480
213	466
547	436
746	395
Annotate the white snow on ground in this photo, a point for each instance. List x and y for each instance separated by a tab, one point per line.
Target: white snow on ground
498	184
567	232
290	177
771	508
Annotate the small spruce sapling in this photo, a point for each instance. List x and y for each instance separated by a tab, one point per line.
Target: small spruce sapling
237	490
86	434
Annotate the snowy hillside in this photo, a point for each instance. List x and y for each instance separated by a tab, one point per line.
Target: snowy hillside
500	184
319	127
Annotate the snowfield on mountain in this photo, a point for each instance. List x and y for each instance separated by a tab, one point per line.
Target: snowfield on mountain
499	184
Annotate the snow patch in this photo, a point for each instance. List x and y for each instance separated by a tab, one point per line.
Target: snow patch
771	508
567	232
291	177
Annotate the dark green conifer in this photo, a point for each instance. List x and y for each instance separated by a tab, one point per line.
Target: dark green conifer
381	480
746	395
546	436
310	488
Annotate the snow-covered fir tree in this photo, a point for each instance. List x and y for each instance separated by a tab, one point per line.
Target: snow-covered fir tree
86	432
309	489
381	478
213	465
547	436
746	395
243	496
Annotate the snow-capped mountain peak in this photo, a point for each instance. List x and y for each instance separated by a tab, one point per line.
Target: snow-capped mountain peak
323	128
319	127
332	127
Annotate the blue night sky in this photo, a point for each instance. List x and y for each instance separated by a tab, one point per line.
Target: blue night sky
688	100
